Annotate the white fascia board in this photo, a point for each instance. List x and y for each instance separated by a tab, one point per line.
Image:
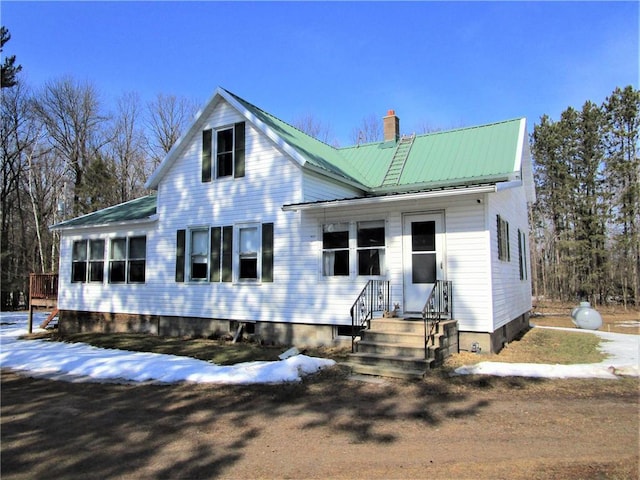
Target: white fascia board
389	198
285	147
522	135
260	125
143	221
507	185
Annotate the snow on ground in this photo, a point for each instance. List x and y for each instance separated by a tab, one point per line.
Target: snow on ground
82	362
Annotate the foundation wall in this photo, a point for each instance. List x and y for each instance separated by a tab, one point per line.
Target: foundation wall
494	342
270	333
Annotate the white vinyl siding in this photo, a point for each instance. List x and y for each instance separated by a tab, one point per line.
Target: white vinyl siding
511	296
483	288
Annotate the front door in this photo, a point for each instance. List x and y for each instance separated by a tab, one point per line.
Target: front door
422	257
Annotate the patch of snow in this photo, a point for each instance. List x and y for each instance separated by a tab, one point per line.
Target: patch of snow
82	362
68	361
623	359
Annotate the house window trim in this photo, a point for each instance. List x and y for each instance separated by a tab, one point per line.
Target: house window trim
189	254
503	239
237	227
522	255
88	261
216	152
209	162
127	260
354	249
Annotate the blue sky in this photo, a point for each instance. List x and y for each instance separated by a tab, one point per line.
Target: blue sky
442	64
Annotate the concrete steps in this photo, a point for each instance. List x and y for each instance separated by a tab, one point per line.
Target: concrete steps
395	348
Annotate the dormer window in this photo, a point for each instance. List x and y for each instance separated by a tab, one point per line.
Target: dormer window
227	147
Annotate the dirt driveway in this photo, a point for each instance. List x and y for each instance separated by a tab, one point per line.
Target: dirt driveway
328	426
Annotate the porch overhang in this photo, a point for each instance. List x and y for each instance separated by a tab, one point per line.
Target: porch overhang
401	197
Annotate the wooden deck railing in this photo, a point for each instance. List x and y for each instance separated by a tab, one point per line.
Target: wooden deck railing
43	285
43	292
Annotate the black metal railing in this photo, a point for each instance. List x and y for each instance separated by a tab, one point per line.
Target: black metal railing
375	297
438	306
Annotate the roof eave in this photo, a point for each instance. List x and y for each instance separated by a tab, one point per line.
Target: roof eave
60	227
393	197
451	183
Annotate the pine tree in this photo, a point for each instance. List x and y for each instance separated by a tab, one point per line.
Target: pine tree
622	110
9	68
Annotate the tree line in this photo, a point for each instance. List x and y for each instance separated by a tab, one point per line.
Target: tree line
586	221
64	154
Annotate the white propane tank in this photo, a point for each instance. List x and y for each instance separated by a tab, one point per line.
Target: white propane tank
585	317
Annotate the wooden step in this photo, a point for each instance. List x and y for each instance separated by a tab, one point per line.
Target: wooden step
409	339
400	325
385	371
389	361
393	349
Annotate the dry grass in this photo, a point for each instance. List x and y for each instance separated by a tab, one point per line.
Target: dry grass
540	346
216	351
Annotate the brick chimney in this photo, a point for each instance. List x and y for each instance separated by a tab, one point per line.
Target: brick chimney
391	127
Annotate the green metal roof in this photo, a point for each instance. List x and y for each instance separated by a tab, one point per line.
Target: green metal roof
138	209
465	155
475	154
317	153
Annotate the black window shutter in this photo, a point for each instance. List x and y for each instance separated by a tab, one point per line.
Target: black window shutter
216	237
238	168
180	255
267	252
227	254
508	243
499	237
206	155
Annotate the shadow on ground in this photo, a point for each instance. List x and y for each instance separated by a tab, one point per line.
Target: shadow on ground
90	430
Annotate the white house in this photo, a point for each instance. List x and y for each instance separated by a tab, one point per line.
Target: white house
254	222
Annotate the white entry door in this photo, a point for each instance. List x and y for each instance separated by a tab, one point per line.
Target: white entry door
422	257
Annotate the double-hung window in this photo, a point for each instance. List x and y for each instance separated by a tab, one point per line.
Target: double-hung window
248	248
240	253
522	255
87	261
96	260
504	252
353	247
127	260
199	253
335	249
137	260
223	152
371	247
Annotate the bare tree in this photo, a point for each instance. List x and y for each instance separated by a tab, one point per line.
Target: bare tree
71	113
126	149
370	130
314	128
18	130
168	117
427	127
